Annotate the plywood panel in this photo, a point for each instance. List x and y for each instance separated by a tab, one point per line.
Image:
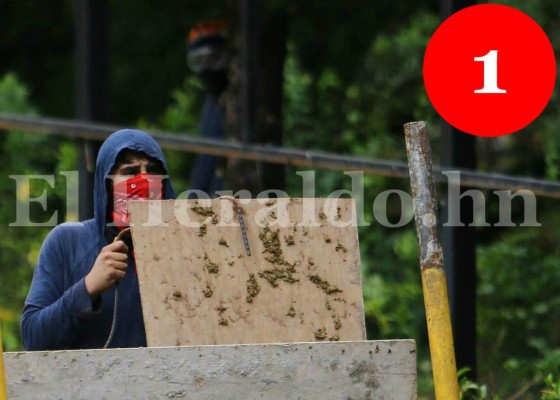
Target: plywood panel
301	283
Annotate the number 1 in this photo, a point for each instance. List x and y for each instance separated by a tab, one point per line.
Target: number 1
490	61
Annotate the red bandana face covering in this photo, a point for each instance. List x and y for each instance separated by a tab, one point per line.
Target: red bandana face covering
140	187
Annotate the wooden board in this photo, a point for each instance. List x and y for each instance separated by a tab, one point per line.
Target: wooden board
302	281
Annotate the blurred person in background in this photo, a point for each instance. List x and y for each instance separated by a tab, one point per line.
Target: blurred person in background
207	58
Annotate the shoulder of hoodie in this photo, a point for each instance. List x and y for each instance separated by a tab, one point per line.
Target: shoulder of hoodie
75	237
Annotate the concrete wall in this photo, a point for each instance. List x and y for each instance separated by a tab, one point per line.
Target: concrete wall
382	370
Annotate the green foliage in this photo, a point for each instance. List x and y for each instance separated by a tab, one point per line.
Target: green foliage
20	245
471	390
552	388
14	96
519	276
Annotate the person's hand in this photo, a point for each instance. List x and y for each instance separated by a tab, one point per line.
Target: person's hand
109	267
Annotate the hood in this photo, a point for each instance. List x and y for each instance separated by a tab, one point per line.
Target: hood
124	139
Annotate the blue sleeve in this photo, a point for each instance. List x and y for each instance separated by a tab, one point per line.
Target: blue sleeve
52	312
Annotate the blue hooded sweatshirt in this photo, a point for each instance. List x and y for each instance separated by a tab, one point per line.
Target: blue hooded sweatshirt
59	312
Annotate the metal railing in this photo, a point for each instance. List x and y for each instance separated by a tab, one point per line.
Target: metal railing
278	155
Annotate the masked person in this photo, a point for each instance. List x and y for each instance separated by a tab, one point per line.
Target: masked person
207	58
71	303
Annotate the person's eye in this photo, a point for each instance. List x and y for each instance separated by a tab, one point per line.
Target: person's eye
155	169
131	170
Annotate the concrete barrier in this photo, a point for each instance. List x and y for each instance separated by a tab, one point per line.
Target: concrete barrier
382	370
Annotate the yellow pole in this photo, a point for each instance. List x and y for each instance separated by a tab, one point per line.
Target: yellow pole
440	336
434	285
3	389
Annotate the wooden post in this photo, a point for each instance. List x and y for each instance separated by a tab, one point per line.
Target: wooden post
431	262
3	390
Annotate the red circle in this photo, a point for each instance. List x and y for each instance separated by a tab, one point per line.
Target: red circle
525	68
